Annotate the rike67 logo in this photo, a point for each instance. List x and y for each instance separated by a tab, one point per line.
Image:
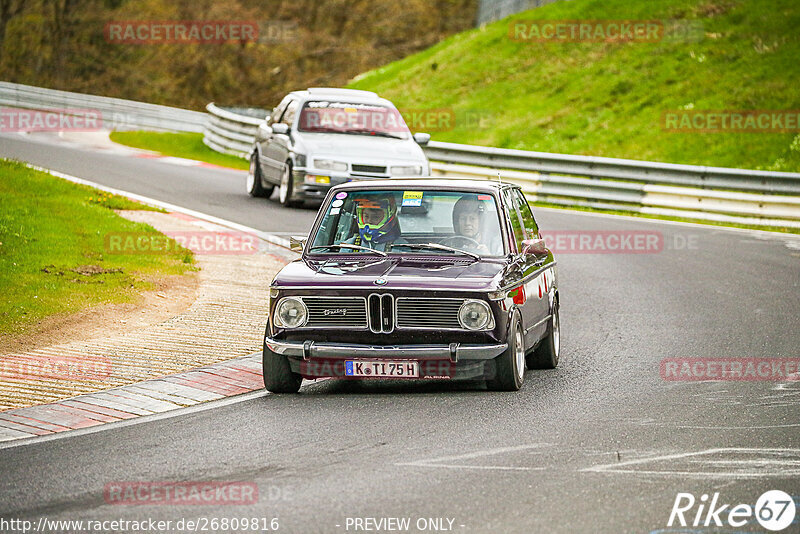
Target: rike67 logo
774	510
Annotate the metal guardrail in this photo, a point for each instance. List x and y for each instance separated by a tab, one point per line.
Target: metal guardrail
710	193
117	114
492	10
622	169
697	192
229	132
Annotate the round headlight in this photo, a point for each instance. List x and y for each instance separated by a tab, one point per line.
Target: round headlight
474	315
291	313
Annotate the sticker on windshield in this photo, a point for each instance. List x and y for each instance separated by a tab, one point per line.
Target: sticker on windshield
341	195
335	211
336	203
412	198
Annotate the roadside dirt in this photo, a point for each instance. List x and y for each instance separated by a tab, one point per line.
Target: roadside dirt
172	296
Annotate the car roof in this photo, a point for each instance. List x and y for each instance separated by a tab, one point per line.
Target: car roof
451	184
355	96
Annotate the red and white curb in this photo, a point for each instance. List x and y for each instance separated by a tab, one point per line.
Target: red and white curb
189	388
173	393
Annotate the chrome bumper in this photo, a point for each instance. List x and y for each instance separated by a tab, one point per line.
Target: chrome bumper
453	352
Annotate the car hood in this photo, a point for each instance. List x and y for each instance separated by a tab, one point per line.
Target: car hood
362	147
410	273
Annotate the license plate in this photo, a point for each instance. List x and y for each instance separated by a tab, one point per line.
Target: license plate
381	369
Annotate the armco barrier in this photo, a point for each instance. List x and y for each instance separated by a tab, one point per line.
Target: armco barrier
118	114
697	192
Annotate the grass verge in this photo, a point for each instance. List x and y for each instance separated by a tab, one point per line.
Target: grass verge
607	98
180	145
52	249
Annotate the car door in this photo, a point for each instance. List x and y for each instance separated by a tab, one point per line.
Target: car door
269	165
279	144
534	304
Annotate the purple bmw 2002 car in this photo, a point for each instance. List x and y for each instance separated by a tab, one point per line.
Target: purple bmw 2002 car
416	278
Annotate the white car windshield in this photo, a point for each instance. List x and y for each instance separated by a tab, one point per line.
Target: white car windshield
357	119
410	221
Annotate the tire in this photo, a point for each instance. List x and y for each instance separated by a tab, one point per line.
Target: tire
255	188
510	366
547	352
286	189
278	375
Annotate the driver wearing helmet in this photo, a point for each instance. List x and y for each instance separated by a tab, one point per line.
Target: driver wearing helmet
468	223
378	227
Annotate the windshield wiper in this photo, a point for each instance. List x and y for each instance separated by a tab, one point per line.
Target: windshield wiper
347	245
373	132
437	246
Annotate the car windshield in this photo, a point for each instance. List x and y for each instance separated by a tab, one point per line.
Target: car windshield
410	221
355	119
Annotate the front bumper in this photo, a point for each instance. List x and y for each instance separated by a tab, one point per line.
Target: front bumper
332	351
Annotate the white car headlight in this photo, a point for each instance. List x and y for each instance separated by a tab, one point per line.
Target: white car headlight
475	315
291	313
406	170
330	165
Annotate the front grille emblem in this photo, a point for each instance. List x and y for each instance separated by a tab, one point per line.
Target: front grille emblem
380	281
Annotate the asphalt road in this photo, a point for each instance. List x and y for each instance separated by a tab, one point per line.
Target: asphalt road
601	444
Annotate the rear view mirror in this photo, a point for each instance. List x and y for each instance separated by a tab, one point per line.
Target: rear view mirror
535	247
297	244
422	139
280	129
263	132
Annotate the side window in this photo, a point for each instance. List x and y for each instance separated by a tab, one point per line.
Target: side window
531	228
278	111
291	112
513	217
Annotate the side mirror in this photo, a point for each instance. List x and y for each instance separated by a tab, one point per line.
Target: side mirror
263	132
422	139
535	247
280	129
297	244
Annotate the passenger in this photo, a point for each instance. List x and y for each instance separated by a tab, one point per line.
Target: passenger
468	223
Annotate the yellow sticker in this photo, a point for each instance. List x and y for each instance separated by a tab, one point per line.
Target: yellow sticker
412	198
350	110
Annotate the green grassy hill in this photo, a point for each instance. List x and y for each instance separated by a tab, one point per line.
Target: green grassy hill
607	98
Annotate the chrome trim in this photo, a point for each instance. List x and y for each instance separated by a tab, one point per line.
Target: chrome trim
525	279
537	324
362	288
381	329
421	352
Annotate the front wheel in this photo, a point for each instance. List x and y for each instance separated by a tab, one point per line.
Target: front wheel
510	366
254	186
545	355
287	186
278	375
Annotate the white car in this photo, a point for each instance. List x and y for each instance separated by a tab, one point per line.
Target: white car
322	137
